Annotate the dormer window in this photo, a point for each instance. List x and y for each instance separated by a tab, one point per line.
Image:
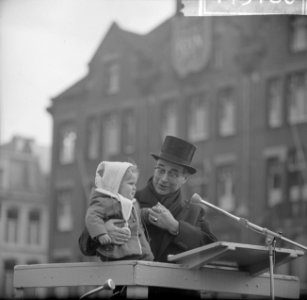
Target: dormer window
111	74
113	78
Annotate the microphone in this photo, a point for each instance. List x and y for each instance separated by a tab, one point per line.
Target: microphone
108	285
266	232
197	199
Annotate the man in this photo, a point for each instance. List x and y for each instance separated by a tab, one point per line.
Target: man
174	224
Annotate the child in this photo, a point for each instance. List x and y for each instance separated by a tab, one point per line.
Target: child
113	198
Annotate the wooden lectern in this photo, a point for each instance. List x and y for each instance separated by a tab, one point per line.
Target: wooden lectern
220	267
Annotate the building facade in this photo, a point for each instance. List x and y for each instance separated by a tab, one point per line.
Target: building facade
236	87
24	212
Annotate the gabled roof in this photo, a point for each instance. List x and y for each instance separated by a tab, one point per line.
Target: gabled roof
132	38
142	44
75	89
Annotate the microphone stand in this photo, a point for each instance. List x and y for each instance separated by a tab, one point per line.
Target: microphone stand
108	285
271	236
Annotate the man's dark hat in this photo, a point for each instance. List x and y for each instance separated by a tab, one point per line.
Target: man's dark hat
177	151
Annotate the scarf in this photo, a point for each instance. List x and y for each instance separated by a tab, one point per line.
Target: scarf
172	202
109	183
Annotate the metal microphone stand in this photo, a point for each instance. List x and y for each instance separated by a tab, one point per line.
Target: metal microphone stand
271	236
108	285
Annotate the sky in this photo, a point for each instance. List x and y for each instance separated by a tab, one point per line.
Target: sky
45	47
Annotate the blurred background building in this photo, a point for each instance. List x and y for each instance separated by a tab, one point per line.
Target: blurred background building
24	213
236	87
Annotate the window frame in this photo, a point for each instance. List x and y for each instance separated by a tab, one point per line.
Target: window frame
219	168
293	33
270	111
95	134
70	128
165	119
198	103
222	96
298	117
128	130
60	201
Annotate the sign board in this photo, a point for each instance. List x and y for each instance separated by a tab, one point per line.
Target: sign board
243	7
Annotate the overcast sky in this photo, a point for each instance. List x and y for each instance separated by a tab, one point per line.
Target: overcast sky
45	46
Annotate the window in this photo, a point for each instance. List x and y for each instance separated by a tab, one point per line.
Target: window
297	98
11	232
225	187
112	72
64	211
274	181
199	183
93	135
129	131
111	135
198	119
168	119
274	100
297	182
68	138
8	288
298	32
34	227
227	113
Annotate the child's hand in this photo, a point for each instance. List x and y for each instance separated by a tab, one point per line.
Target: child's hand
104	239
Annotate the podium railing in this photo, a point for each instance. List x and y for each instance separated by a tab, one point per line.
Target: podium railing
220	267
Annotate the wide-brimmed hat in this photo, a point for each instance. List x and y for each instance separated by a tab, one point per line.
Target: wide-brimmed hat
177	151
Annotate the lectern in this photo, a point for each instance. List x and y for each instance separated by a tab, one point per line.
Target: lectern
220	267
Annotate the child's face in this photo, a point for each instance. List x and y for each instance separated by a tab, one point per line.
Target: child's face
128	185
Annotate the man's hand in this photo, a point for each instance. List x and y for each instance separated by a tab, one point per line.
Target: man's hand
118	235
161	217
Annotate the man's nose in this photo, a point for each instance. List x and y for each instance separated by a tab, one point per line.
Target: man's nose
165	176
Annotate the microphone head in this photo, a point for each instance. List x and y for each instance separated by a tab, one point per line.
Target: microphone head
109	284
196	198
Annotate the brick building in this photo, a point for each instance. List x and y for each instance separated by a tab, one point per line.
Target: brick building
234	86
24	214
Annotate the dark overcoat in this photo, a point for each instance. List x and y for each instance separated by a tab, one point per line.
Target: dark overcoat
194	230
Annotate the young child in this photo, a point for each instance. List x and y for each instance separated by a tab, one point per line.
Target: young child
113	198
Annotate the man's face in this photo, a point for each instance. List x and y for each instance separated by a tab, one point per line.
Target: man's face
168	177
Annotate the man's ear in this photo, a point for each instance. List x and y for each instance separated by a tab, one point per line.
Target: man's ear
185	177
